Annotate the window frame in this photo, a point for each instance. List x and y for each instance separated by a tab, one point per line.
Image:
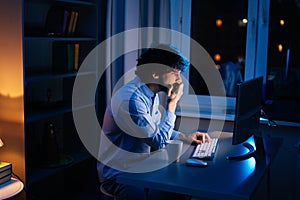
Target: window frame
255	63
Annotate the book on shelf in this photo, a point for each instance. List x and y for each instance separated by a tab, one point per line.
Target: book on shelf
57	21
61	22
70	56
72	22
65	57
76	57
5	172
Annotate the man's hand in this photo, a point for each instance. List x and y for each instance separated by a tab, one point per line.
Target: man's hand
196	138
200	137
175	92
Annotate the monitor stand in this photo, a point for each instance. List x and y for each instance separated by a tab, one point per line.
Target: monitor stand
252	151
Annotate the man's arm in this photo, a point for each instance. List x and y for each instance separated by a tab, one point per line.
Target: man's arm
175	92
196	137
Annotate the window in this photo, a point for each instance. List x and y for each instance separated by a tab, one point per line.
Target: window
283	64
271	50
220	27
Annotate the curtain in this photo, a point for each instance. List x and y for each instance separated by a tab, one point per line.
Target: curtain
129	14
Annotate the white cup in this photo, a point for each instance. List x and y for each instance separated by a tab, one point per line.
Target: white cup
174	149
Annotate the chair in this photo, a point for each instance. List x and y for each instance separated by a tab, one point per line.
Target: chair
108	196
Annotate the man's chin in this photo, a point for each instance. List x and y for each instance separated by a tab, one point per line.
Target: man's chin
163	88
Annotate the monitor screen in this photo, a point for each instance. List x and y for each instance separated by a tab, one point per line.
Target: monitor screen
247	112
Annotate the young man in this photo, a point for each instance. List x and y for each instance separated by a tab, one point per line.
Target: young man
134	124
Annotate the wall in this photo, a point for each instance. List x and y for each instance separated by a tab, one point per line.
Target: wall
11	86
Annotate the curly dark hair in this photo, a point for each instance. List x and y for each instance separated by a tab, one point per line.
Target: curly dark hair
153	60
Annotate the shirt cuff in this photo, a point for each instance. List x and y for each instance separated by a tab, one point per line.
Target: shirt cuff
169	117
175	135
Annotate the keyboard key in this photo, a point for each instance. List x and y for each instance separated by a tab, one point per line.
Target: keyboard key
206	150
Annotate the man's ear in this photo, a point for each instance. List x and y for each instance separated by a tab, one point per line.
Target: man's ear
155	76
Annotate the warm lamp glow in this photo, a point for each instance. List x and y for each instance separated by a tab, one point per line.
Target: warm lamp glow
11	61
11	76
280	47
1	143
281	22
219	22
217	57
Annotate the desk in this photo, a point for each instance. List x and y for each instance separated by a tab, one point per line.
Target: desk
10	188
222	179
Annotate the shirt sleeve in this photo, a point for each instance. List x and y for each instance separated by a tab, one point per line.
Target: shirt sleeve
175	135
136	119
165	131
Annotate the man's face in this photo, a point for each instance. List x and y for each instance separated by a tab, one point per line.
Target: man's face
171	77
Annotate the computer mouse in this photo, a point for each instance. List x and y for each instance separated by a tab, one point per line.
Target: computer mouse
196	162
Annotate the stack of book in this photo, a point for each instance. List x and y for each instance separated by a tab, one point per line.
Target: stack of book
61	22
65	57
5	172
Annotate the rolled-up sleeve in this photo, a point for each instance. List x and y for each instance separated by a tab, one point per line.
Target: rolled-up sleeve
136	111
135	118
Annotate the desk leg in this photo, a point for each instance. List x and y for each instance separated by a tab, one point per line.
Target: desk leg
146	192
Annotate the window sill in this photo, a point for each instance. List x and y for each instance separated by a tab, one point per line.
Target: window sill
205	115
227	117
279	123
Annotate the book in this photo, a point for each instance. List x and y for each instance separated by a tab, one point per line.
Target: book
71	21
70	55
74	23
56	21
5	172
76	57
5	178
63	59
4	166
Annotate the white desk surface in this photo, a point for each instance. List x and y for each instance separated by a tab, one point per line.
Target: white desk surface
10	188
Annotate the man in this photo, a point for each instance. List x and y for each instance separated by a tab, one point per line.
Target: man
134	124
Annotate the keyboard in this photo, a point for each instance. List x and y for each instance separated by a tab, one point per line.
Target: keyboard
206	150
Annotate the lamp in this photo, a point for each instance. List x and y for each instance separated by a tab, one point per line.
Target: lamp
1	143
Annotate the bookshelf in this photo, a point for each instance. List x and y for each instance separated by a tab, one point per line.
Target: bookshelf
58	35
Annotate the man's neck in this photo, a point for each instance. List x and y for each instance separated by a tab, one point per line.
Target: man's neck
153	87
157	88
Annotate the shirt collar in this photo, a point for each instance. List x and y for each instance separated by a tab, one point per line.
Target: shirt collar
142	86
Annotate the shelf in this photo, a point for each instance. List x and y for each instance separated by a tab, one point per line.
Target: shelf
74	2
49	38
33	77
50	65
39	173
35	114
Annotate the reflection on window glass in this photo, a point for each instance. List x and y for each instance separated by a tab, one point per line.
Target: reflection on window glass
220	27
284	51
283	68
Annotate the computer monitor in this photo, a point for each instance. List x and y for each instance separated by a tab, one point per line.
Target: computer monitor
247	115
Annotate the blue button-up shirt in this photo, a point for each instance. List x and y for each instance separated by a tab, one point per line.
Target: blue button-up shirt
134	122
